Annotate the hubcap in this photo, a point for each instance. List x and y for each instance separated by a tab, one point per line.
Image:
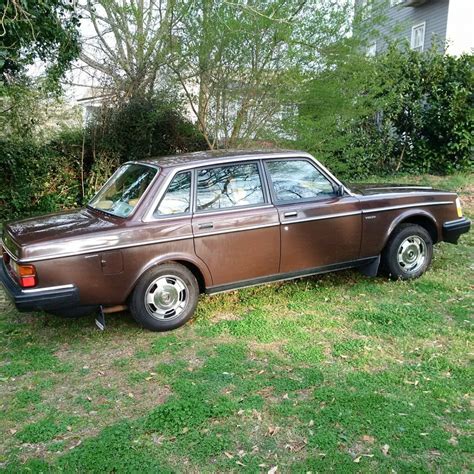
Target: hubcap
166	297
412	254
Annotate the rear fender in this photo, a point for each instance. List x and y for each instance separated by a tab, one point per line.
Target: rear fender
176	257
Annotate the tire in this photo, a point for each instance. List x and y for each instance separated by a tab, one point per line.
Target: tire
408	252
165	297
72	313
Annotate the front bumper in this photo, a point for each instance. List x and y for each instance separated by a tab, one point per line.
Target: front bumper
452	230
39	299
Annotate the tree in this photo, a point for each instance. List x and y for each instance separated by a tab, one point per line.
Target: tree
234	63
32	30
127	51
240	63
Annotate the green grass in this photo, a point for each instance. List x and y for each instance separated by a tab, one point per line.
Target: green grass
339	372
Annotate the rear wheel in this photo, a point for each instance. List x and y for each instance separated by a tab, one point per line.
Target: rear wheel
165	297
408	252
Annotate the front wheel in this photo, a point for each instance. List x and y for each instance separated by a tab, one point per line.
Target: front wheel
408	252
165	297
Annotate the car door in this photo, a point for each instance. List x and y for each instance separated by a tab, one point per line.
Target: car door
235	226
319	227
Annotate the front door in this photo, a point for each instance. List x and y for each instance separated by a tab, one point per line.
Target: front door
319	227
236	228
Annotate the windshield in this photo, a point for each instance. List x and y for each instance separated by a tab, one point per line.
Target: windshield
122	193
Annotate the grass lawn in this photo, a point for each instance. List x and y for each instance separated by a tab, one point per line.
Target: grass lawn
339	372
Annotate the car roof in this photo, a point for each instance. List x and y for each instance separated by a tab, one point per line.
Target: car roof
203	157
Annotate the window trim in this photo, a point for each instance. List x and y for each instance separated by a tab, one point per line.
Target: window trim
261	173
412	39
369	53
147	215
162	197
312	163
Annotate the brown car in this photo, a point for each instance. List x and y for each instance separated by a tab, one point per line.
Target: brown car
162	231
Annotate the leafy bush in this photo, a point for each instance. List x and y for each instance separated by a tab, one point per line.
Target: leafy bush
144	127
399	112
41	176
35	179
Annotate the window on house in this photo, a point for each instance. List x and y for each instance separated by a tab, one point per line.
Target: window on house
366	9
418	37
372	49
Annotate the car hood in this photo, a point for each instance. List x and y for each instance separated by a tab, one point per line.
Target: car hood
55	233
368	189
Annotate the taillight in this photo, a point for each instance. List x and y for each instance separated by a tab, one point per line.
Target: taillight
26	274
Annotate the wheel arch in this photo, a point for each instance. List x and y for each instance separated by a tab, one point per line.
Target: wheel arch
196	267
418	217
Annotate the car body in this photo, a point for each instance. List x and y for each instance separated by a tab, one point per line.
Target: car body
226	220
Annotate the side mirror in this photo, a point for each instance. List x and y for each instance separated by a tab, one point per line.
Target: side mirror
339	190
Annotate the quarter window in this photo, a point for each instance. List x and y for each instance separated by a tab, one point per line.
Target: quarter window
229	186
178	196
298	179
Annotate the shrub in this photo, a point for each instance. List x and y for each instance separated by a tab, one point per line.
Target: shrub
41	176
144	127
35	179
399	112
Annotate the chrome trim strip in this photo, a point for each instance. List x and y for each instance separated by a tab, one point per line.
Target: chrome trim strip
226	231
150	242
210	213
9	252
228	211
459	220
105	249
229	231
48	288
401	195
406	206
318	218
408	186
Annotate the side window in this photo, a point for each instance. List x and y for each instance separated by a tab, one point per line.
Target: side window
229	186
297	179
178	196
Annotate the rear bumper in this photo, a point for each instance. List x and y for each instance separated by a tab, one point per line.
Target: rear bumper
452	230
38	299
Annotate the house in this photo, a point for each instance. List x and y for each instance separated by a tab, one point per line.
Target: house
446	24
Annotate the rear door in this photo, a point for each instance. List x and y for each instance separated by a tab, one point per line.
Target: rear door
318	226
235	226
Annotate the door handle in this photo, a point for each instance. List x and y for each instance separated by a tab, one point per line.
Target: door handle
206	225
290	214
